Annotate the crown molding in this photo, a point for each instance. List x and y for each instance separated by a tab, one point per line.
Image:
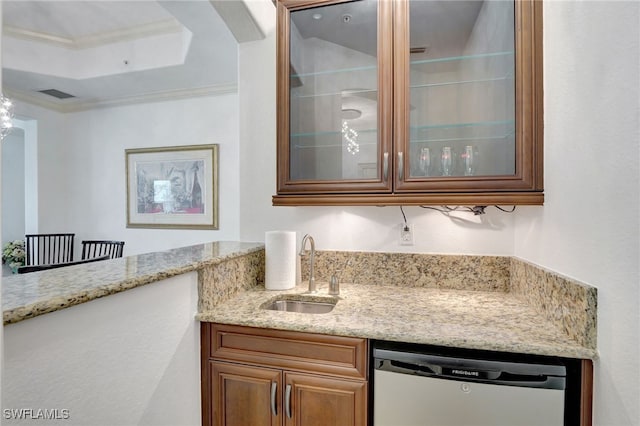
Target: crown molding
167	26
71	105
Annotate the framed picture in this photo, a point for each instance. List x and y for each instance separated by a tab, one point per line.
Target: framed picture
172	187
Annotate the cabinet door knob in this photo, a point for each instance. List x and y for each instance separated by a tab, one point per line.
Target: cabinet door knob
287	400
274	391
400	166
385	167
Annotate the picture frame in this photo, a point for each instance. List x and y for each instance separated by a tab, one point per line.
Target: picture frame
173	187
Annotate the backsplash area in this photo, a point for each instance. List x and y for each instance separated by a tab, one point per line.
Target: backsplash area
570	304
222	280
484	273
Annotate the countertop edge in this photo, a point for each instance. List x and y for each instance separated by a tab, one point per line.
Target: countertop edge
576	353
190	258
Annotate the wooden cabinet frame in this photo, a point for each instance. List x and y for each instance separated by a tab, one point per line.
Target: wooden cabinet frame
525	187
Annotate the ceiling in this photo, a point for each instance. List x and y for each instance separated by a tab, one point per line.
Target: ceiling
442	27
116	52
113	52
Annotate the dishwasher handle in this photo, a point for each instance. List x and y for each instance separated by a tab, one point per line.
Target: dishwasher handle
473	370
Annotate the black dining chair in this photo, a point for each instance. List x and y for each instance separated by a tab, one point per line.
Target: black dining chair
36	268
47	249
95	248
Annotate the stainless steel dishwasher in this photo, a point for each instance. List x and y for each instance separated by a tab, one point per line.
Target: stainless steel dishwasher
421	389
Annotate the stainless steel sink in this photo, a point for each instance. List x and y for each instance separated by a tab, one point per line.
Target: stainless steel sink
303	306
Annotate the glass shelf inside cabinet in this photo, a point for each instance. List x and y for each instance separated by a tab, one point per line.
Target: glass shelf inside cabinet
463	132
372	67
360	81
486	68
472	57
313	140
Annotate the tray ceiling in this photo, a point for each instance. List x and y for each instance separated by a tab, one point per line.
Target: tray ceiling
109	52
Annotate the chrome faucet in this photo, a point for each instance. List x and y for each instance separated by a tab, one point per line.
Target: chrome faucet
312	279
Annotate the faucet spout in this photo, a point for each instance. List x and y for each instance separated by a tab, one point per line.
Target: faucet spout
312	279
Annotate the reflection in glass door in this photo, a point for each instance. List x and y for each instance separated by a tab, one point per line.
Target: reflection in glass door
333	88
462	89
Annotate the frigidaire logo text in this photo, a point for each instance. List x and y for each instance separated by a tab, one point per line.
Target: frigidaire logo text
465	373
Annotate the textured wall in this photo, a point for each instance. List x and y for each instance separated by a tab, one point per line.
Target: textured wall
588	228
130	358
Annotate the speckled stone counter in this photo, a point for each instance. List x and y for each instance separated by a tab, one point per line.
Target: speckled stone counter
478	302
29	295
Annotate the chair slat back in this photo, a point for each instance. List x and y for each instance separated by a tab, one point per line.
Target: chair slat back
46	249
95	248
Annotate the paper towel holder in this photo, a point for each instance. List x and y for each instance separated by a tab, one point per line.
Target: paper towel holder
280	260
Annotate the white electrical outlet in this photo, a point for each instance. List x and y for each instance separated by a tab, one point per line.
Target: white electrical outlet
406	234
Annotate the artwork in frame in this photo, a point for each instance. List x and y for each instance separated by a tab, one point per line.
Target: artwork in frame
172	187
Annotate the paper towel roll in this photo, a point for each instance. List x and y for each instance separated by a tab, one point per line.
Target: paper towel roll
280	260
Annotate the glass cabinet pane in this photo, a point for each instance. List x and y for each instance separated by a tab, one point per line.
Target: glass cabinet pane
462	88
334	92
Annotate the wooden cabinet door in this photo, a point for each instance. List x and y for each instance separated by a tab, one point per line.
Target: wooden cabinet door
324	401
465	115
244	395
334	96
441	106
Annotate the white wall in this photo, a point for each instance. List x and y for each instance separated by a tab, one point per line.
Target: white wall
13	184
128	359
13	189
81	166
588	227
52	176
98	139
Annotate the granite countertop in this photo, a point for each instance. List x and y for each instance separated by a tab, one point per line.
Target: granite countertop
498	319
488	320
29	295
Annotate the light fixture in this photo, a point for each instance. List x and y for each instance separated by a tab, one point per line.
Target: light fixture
351	136
317	16
350	113
6	116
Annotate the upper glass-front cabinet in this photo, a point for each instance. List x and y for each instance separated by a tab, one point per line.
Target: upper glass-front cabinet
331	123
409	102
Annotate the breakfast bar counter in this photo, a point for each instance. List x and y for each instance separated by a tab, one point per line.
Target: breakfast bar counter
29	295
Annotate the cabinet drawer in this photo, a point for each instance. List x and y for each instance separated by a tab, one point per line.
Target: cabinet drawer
334	355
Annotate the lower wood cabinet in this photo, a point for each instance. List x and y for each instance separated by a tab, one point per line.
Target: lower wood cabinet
241	395
255	376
